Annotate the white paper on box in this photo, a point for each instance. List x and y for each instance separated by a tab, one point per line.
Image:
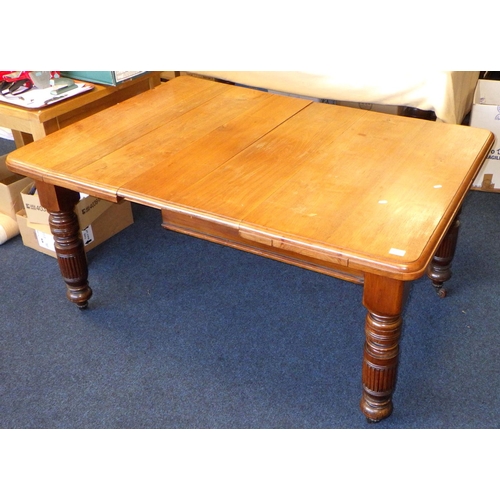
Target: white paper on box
87	235
45	240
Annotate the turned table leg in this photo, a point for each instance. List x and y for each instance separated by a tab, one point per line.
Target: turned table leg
439	269
60	204
384	299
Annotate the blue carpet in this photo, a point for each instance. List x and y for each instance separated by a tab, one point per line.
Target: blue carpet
183	333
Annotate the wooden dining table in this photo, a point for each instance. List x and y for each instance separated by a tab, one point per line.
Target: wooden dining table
367	197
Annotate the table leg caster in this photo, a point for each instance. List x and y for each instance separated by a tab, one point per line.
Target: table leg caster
440	290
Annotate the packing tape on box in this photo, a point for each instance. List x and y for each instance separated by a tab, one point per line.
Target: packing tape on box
8	228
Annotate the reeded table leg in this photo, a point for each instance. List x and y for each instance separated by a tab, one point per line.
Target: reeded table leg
439	269
60	204
384	299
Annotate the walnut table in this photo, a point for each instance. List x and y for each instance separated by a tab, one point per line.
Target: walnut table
367	197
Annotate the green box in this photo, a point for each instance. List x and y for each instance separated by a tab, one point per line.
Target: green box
103	77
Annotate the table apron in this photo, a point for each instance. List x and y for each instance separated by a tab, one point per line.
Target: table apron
229	234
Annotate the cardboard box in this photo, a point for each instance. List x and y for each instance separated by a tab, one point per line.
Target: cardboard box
87	209
486	114
30	238
11	186
103	77
113	220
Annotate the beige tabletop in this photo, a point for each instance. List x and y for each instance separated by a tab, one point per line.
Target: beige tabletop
366	190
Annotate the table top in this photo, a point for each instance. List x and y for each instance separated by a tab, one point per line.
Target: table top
371	191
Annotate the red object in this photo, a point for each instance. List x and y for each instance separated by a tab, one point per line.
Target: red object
14	76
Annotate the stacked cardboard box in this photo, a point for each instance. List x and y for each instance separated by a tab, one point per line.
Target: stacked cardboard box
486	114
99	220
10	201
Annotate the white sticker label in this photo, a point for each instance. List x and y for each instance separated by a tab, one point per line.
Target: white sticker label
45	240
87	235
397	251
